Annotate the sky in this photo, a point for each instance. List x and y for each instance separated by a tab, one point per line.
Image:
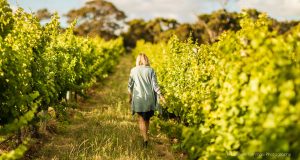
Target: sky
182	10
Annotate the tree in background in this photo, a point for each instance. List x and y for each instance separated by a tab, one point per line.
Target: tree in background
43	14
182	31
136	31
205	30
218	22
149	31
97	17
158	26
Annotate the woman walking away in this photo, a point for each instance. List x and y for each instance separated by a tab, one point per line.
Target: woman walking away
143	92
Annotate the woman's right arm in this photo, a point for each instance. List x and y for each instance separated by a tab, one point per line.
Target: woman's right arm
130	86
130	83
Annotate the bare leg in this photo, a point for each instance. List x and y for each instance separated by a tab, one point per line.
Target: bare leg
143	128
147	126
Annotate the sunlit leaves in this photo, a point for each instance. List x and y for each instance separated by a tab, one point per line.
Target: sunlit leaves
39	64
239	95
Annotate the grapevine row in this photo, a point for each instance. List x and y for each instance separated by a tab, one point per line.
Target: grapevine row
40	64
235	97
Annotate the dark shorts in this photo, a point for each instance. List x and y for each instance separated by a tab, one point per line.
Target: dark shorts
146	115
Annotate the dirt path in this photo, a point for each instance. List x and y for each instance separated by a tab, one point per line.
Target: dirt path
103	127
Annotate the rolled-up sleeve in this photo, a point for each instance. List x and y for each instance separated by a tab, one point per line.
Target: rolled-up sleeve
130	83
154	83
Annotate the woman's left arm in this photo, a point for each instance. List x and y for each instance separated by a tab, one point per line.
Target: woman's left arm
156	86
155	83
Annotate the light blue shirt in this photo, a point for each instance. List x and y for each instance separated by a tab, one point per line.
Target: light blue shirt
144	89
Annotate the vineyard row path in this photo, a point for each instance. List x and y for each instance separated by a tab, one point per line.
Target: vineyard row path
102	127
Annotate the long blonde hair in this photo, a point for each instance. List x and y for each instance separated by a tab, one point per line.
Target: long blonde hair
142	59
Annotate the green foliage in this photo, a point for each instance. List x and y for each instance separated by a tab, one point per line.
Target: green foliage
5	18
39	64
20	121
17	153
236	97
